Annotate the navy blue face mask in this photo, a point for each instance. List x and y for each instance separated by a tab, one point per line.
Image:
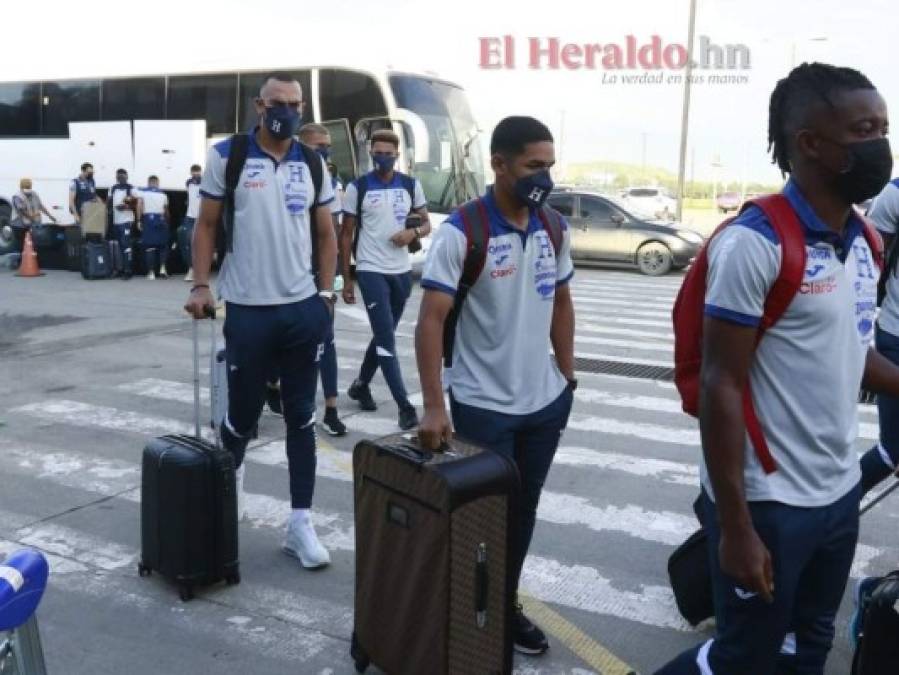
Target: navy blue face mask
324	152
282	121
384	163
534	188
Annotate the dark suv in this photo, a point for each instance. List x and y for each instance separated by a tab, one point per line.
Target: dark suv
605	234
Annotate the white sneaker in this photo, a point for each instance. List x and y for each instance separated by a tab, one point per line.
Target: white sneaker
151	275
163	274
190	275
302	543
238	483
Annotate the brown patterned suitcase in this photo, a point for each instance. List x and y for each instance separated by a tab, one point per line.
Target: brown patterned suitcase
432	539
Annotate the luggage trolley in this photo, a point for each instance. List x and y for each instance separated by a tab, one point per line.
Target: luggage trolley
23	579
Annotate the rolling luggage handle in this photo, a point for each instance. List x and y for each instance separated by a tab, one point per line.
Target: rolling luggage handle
210	312
482	586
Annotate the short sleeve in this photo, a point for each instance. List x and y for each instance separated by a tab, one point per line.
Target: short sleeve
564	264
212	184
743	265
420	201
165	199
885	210
336	205
326	194
443	266
73	186
350	197
18	203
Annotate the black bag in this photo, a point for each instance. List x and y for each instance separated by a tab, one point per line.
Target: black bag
73	243
433	537
691	578
95	262
116	260
878	647
189	506
45	236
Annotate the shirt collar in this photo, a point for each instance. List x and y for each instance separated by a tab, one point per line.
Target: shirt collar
292	153
816	230
534	223
374	178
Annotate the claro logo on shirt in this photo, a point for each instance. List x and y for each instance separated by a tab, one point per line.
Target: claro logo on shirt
818	287
254	184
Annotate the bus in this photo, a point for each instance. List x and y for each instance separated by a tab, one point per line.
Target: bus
161	124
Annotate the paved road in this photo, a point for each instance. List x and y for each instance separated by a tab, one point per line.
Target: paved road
91	370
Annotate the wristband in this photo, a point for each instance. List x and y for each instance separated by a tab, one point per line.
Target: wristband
199	286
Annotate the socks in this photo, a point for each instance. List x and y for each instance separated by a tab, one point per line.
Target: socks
299	517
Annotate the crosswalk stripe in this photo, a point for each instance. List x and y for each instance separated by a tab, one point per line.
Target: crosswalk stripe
616	330
624	311
636	345
666	471
623	302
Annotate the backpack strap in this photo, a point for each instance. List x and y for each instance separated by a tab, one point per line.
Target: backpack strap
552	223
789	230
875	242
237	157
314	162
361	189
409	185
476	223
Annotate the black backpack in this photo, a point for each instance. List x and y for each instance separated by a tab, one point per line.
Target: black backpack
237	157
476	223
408	183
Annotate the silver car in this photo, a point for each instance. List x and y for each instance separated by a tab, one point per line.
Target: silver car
604	233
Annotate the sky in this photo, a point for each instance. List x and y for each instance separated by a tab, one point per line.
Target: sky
591	119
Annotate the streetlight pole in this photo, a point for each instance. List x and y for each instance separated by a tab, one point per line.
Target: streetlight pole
685	116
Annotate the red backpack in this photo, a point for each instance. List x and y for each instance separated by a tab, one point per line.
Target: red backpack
689	308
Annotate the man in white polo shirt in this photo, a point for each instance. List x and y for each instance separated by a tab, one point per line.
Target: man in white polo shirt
375	208
276	319
506	392
186	231
783	526
153	207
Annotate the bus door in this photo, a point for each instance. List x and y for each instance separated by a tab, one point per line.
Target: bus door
343	152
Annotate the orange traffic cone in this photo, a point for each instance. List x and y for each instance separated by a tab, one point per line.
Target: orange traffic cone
28	267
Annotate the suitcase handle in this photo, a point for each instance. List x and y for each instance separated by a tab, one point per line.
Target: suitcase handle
482	585
210	313
409	452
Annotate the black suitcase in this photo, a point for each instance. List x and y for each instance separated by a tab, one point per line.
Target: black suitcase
116	260
95	262
189	507
878	647
73	244
691	578
433	535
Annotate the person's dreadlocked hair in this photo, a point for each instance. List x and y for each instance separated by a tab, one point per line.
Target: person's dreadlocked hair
804	87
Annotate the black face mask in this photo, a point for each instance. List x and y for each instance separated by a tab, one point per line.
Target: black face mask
870	165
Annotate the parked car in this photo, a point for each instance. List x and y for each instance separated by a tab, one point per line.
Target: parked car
604	233
728	201
650	201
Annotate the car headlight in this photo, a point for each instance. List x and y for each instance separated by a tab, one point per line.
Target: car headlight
690	236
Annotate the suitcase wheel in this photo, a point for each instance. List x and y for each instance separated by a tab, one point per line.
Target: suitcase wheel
143	570
186	593
359	657
233	579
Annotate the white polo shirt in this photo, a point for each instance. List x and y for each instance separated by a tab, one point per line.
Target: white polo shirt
808	368
384	211
117	195
154	199
501	357
271	260
193	198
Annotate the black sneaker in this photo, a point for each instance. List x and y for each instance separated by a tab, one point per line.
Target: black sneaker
528	638
408	418
332	424
362	394
273	398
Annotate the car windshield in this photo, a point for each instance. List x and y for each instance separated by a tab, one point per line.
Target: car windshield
448	158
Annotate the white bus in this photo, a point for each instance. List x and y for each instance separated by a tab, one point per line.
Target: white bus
161	124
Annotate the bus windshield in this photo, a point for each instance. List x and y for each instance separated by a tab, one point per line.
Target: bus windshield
448	158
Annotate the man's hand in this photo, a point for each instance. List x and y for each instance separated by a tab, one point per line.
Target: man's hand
349	292
434	429
403	238
745	559
200	303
